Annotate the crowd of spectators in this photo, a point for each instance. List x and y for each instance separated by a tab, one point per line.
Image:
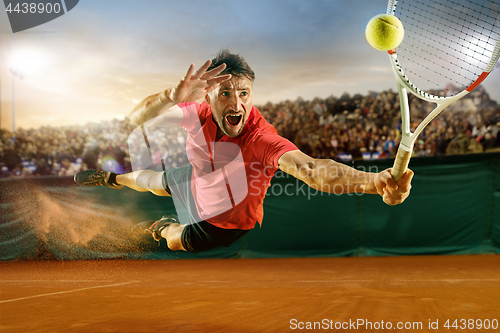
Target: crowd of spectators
64	150
345	128
355	127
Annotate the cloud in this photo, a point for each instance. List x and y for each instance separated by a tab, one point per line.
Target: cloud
105	58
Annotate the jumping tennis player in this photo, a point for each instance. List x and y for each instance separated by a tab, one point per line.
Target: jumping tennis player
233	153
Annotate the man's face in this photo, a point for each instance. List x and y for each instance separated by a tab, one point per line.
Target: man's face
231	104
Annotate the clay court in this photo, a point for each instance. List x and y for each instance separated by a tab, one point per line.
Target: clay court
370	268
250	295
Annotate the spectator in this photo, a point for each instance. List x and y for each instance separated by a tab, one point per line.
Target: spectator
488	142
69	168
11	158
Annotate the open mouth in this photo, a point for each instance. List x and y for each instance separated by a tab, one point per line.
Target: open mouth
234	119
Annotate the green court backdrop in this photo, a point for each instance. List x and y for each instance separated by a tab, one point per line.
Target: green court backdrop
454	208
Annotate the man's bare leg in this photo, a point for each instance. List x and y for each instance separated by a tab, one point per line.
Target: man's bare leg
144	181
173	234
148	180
166	228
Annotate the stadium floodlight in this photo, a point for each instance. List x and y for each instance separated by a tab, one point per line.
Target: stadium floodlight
26	61
21	62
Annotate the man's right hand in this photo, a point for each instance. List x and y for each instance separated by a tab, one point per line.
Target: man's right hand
195	86
191	88
392	192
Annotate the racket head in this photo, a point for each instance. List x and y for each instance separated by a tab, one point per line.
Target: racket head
450	46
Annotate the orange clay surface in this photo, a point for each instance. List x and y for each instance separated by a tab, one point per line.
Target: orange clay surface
249	295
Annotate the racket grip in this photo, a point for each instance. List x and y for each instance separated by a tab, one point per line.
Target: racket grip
400	164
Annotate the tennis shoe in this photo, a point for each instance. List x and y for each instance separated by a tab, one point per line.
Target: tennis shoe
91	178
154	228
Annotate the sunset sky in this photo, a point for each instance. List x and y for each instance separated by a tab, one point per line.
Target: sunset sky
101	58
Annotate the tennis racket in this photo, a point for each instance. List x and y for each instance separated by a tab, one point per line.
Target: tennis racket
447	43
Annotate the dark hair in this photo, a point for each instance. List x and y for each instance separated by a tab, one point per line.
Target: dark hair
235	64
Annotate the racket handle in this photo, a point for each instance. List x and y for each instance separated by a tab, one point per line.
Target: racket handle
400	164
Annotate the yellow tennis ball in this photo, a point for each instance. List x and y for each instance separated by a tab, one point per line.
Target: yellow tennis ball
384	32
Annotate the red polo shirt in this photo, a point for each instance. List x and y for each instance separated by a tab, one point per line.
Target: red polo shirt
231	176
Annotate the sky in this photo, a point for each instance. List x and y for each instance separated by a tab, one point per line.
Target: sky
97	61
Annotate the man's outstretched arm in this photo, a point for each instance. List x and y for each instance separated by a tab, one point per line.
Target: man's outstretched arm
192	87
332	177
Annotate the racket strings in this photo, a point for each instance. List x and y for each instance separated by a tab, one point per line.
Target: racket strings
454	35
446	41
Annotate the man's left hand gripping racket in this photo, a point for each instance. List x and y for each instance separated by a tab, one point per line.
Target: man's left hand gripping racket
447	43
